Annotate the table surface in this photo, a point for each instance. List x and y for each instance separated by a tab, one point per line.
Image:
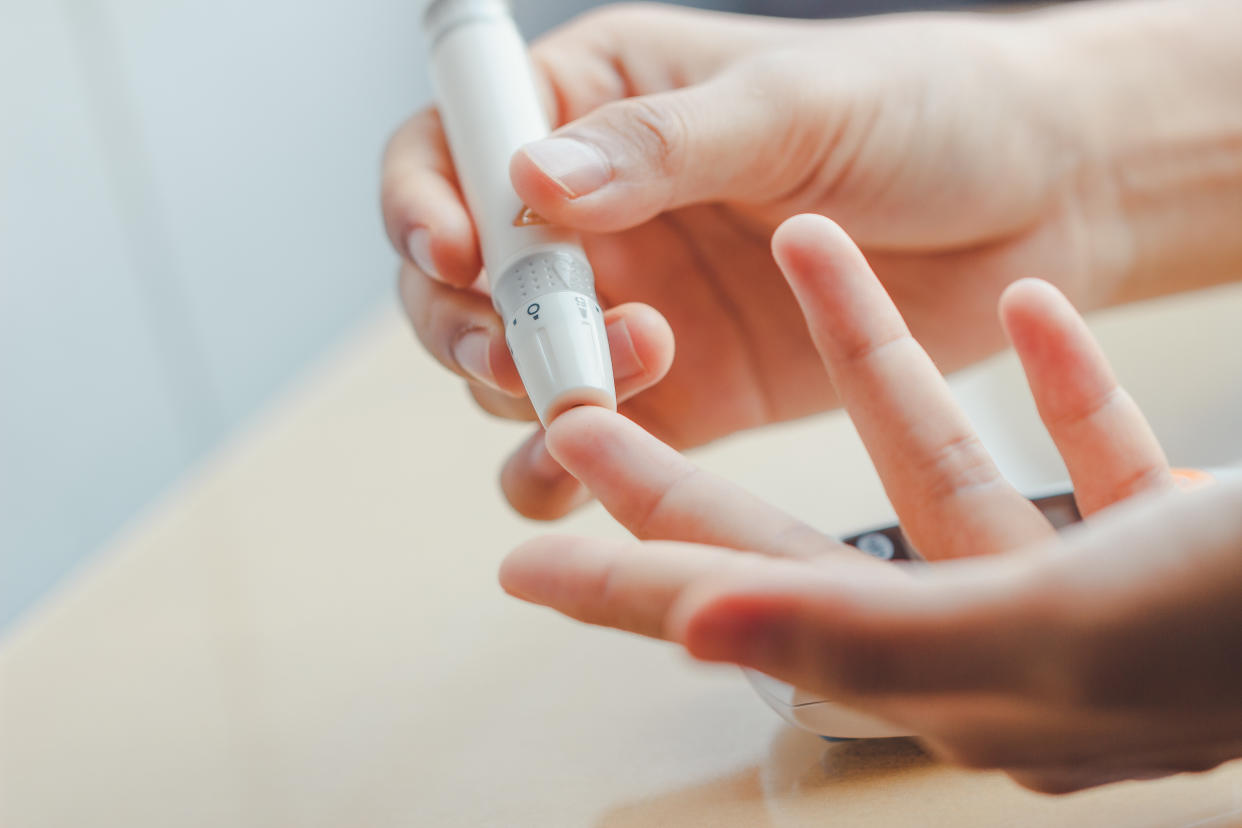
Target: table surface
308	632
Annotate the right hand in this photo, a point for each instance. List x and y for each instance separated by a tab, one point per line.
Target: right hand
1069	660
932	139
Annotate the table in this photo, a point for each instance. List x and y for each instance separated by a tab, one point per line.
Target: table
308	632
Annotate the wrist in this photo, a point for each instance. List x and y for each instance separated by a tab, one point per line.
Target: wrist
1146	96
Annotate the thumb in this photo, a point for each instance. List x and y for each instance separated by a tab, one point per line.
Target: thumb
967	628
627	161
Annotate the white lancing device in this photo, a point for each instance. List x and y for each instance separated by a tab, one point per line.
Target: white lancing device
542	285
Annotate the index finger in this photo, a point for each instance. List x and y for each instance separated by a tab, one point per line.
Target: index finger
629	586
634	586
949	495
656	493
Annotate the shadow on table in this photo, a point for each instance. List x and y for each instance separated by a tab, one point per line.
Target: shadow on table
798	766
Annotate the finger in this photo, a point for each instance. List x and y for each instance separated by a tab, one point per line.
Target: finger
1120	765
629	586
459	327
727	139
621	50
502	405
1155	584
603	56
656	493
1107	444
1054	625
535	484
425	215
641	343
1031	732
1171	751
866	635
946	490
1058	781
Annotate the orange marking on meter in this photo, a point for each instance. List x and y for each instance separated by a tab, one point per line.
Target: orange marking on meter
1191	478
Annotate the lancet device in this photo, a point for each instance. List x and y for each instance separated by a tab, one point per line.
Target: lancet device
542	285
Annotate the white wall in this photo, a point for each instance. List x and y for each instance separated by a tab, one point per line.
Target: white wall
188	214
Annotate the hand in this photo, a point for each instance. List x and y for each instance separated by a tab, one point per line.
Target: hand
1105	653
687	136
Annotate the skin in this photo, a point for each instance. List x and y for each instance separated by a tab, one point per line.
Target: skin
960	151
682	227
1111	649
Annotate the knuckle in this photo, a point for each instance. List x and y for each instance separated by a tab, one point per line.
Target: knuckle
799	116
651	516
611	600
608	598
1083	411
801	540
415	150
437	321
607	17
417	130
600	30
431	327
411	288
659	130
958	465
1147	478
865	351
393	149
618	16
394	200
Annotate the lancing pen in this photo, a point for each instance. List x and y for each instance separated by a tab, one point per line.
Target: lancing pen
542	285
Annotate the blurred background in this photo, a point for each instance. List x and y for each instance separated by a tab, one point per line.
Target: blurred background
188	219
249	530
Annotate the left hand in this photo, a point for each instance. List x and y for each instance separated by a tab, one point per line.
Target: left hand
1105	653
941	141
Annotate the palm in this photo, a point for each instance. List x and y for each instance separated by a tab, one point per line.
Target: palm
744	356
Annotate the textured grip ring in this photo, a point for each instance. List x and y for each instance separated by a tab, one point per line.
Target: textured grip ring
538	274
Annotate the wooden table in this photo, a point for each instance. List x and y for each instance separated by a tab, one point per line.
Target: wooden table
308	632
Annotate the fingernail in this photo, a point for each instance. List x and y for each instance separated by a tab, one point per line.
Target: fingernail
419	245
625	361
542	464
471	350
576	167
